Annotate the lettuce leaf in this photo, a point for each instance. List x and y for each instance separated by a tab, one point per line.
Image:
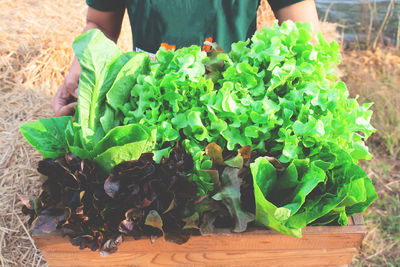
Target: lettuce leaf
121	144
267	214
100	61
120	90
276	92
47	135
328	187
230	196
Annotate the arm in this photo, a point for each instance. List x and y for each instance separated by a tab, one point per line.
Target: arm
109	23
301	11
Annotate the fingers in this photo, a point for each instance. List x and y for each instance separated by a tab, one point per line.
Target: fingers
61	102
72	89
67	110
67	92
71	83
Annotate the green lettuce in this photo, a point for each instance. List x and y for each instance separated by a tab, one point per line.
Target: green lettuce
107	76
98	71
123	143
277	92
47	136
328	187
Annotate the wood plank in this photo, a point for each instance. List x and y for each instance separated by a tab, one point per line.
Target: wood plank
329	245
318	257
222	242
358	219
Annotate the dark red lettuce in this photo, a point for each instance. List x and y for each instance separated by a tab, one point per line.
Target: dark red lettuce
139	198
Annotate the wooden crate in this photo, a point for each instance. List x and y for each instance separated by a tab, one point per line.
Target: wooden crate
319	246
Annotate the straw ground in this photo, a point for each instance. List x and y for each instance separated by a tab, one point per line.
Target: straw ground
35	53
374	75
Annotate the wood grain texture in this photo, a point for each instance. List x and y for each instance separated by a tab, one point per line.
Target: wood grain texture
358	219
319	246
319	257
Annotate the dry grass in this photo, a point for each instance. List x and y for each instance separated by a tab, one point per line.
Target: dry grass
381	245
265	16
34	57
35	53
374	75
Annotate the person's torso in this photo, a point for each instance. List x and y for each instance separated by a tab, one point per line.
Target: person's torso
182	23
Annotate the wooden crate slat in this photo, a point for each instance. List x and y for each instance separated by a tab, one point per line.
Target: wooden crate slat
320	245
358	219
316	257
221	242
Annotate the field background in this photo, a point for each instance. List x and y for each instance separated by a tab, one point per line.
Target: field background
35	54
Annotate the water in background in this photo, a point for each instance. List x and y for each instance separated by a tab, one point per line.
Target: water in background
355	15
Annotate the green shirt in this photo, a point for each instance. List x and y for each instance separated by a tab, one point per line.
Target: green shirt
187	22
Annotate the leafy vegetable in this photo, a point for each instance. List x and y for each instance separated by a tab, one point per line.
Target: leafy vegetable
278	93
47	136
139	197
119	92
98	71
329	187
95	134
121	144
275	99
230	183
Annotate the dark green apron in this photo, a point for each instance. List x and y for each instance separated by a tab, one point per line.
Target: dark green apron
186	22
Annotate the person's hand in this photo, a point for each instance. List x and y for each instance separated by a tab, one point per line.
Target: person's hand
109	22
65	100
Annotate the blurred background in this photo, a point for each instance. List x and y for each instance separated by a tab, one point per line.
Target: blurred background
35	55
363	23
